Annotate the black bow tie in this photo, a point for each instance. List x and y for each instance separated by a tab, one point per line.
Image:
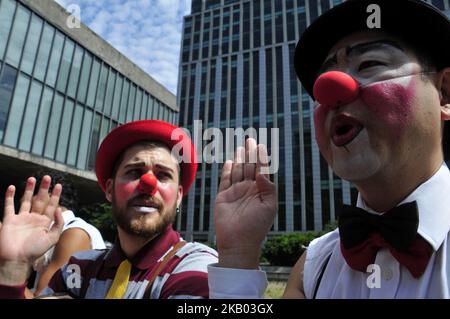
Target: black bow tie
363	234
398	226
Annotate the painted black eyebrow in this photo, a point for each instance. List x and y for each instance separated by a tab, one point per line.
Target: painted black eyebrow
364	47
359	49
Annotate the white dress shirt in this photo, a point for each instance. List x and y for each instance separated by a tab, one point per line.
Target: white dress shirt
390	280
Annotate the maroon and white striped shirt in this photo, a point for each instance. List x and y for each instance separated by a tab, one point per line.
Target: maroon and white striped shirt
184	276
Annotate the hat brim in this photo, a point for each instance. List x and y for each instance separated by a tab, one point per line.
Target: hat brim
124	136
414	21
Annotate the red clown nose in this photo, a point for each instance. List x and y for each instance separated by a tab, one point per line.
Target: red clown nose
335	88
148	184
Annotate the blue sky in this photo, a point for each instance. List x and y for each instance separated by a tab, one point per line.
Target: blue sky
148	32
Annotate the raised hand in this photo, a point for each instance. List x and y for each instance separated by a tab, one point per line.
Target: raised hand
27	235
245	207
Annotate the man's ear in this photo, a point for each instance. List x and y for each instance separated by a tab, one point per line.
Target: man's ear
180	195
109	189
444	93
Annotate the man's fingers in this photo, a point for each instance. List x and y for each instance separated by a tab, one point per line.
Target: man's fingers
54	201
262	167
25	206
57	227
237	173
250	159
225	179
9	201
42	198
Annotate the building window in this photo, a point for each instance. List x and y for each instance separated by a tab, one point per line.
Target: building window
211	4
7	80
31	45
7	8
75	72
55	57
109	92
117	97
66	63
101	88
42	121
55	119
95	73
29	118
16	111
84	141
17	38
44	51
94	141
75	135
63	136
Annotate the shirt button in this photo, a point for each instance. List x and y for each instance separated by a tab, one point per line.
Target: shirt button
387	274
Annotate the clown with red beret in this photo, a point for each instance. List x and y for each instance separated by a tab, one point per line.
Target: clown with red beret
145	182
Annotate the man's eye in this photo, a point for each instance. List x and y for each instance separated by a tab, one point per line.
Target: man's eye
134	172
368	64
163	176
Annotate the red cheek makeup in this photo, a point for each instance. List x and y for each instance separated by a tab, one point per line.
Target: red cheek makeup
391	102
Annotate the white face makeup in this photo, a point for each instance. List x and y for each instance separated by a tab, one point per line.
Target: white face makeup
357	160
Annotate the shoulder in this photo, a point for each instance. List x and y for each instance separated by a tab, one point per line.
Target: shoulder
195	257
93	233
186	275
322	246
317	256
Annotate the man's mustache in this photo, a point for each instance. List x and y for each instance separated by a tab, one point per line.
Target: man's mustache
145	198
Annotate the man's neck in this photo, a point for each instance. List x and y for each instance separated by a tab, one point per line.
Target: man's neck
131	244
386	192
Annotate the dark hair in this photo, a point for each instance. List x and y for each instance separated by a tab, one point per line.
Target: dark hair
69	196
150	144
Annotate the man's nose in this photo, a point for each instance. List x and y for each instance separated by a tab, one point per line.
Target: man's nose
148	184
334	89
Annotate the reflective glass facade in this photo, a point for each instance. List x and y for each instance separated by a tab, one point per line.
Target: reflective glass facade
58	100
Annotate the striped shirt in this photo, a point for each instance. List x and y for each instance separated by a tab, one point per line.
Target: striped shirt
183	277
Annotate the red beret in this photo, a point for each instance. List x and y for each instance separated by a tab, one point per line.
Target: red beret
124	136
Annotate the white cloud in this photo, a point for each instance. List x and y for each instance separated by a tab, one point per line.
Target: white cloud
148	32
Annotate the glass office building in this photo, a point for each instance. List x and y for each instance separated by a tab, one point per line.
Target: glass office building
62	90
236	70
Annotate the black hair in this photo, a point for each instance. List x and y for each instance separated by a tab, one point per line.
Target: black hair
69	196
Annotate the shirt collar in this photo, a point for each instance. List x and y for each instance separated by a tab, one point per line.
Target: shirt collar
148	255
433	202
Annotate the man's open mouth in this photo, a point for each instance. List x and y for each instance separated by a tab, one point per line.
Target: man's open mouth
344	129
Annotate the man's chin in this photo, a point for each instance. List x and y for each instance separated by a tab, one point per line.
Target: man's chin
144	230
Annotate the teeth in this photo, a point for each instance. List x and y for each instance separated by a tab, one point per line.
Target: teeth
145	209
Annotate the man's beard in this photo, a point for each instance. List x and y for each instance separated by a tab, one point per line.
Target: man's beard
137	225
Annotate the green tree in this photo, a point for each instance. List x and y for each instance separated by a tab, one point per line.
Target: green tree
100	215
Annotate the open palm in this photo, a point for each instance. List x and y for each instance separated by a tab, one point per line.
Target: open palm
246	204
26	236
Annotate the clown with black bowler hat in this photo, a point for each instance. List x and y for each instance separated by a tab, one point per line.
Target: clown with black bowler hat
145	178
382	93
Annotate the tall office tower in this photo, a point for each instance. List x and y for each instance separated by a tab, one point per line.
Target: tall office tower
236	70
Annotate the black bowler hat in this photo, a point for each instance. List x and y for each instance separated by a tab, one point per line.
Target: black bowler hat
414	21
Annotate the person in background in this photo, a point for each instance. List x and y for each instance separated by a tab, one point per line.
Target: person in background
77	235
